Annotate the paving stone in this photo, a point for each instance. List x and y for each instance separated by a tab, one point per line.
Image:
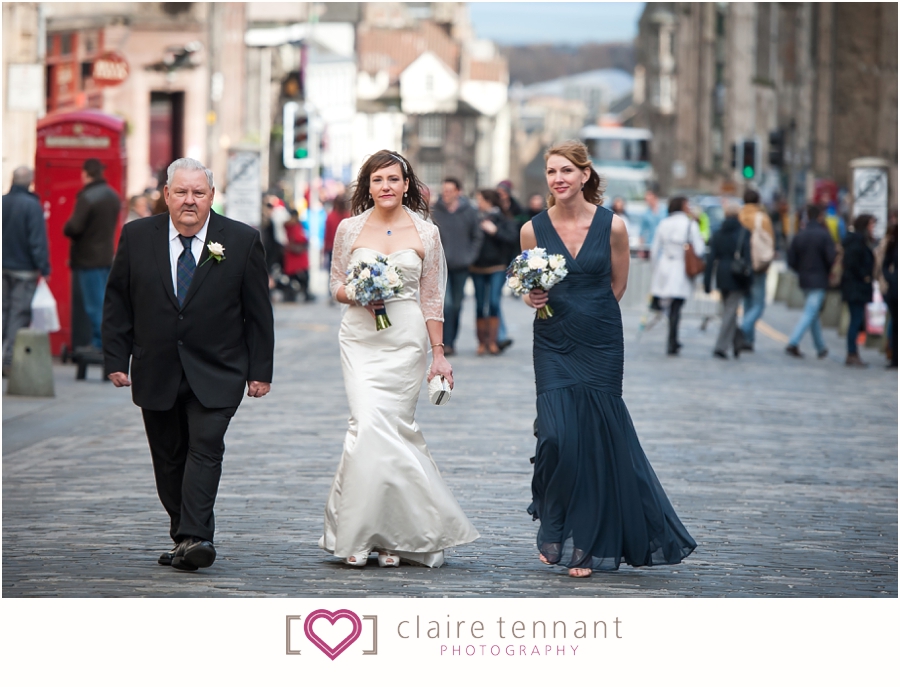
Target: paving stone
784	471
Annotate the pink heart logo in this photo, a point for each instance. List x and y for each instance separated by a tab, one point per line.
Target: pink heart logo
332	617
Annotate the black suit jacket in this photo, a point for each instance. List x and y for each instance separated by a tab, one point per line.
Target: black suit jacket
223	335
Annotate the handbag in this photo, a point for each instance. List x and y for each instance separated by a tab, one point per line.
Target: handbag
741	269
438	390
693	263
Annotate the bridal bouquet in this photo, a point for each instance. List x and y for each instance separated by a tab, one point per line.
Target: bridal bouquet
534	269
375	280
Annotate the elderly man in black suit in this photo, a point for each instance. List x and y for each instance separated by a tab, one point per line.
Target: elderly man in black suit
188	303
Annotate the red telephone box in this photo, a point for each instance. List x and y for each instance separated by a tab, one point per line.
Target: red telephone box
64	142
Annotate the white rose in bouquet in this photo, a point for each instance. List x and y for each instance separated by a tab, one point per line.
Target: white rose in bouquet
537	262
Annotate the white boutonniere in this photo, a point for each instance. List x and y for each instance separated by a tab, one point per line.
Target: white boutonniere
216	252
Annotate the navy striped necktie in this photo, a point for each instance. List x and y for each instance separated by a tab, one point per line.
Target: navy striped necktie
185	269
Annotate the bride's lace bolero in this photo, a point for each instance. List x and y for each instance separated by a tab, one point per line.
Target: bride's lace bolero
434	265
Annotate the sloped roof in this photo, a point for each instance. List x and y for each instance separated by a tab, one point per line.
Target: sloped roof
489	70
394	50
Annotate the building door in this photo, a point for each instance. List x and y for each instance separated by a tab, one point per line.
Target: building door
166	130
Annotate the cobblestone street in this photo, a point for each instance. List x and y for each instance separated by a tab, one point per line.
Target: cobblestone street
783	470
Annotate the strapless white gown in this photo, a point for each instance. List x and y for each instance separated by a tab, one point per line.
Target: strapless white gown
388	494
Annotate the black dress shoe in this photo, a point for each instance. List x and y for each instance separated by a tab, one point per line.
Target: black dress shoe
166	558
721	354
193	553
503	345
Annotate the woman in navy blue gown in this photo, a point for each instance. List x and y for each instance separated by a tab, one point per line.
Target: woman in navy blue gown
598	499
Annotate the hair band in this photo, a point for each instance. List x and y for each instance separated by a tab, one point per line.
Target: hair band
400	160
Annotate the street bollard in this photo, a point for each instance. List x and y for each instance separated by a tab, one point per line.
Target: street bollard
796	298
31	373
831	310
786	281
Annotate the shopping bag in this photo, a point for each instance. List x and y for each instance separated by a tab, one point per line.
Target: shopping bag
44	316
876	314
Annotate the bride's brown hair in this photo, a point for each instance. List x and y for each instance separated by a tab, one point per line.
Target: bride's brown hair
414	198
577	153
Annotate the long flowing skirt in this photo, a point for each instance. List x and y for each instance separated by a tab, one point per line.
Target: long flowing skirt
594	491
388	494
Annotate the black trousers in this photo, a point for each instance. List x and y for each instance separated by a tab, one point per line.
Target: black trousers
674	319
187	444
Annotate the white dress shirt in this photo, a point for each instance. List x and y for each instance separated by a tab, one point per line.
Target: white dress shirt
176	248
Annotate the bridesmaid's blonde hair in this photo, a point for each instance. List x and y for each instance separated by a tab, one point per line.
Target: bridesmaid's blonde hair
577	153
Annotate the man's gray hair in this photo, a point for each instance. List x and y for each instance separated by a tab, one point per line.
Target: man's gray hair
23	176
188	163
731	208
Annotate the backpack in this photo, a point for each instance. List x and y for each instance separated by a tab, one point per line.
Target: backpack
762	246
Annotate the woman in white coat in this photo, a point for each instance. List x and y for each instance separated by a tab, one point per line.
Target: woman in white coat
670	281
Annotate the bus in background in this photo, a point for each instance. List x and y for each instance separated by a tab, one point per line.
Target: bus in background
621	156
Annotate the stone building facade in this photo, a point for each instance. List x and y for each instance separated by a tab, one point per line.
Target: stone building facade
23	50
712	74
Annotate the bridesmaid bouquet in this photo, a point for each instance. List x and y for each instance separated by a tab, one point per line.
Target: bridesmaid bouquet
375	280
534	269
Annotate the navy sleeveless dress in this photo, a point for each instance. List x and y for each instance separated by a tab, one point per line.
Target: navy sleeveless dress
597	498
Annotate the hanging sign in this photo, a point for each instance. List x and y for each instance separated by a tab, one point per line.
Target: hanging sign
110	69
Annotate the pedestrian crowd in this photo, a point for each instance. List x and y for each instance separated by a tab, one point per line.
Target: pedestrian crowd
480	236
827	253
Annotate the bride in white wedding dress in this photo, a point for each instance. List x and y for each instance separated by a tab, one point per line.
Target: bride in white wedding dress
388	496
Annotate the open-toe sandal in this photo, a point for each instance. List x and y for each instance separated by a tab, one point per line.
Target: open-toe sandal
549	554
357	560
388	560
580	572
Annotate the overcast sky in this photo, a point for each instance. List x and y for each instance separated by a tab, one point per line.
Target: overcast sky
517	23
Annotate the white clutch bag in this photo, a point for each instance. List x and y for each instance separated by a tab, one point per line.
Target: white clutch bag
439	391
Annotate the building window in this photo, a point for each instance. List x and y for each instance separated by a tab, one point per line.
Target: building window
66	44
719	91
766	25
431	130
469	133
431	174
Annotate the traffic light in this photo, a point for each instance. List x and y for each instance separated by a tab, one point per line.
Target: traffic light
301	137
734	149
776	148
748	159
299	145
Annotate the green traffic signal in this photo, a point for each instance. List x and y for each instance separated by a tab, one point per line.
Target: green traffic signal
748	172
301	153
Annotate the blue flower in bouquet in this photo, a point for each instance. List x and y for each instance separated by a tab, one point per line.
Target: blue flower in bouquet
534	269
373	280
